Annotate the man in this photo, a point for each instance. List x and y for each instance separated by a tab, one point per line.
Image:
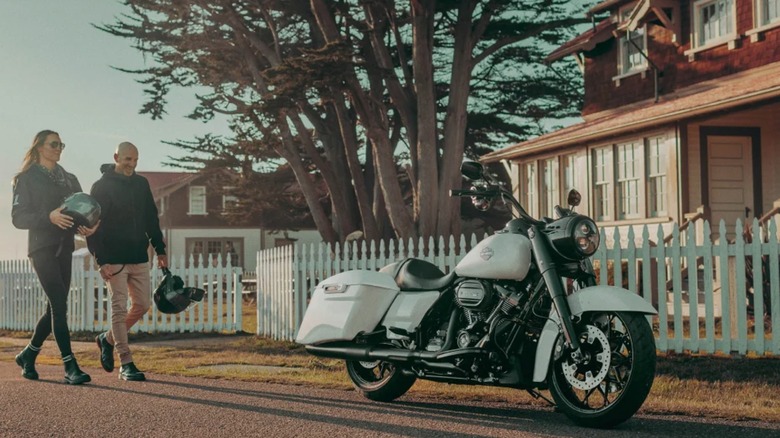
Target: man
129	223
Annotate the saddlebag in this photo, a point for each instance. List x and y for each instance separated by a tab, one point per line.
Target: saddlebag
345	305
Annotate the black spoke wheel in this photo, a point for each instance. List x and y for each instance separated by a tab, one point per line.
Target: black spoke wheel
379	380
611	380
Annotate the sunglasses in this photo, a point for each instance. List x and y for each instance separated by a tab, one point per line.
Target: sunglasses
56	145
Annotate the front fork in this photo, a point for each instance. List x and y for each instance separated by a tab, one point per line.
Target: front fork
544	259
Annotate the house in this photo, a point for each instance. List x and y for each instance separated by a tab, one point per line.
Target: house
681	115
192	208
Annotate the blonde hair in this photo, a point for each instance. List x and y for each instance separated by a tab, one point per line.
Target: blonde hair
32	156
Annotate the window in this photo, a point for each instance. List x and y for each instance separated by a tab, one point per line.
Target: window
205	250
714	22
629	156
767	12
656	177
629	180
602	183
197	200
569	176
228	200
529	179
161	206
546	183
549	194
631	45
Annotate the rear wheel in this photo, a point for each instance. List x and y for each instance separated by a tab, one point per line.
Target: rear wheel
379	380
609	384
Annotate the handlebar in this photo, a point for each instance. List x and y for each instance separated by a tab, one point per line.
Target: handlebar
485	193
497	192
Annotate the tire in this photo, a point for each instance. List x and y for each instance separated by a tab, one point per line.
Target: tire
613	391
379	380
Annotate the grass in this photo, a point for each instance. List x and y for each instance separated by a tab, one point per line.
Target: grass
684	384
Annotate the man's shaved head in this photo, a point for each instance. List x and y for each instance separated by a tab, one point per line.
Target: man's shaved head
124	147
126	158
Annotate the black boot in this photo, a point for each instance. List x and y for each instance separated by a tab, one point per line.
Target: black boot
26	360
73	374
106	352
129	371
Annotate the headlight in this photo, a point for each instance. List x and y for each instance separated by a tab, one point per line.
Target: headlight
574	237
586	236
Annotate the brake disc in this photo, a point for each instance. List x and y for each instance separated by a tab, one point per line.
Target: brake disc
596	358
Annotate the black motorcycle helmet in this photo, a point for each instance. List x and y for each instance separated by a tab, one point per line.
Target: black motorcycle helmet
84	209
172	297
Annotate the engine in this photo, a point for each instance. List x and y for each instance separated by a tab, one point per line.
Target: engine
475	295
477	299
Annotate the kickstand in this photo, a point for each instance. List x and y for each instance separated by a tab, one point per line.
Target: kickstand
536	394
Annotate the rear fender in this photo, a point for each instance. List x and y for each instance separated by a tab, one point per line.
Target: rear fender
595	298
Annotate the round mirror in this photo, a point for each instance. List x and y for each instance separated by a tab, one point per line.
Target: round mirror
574	198
472	170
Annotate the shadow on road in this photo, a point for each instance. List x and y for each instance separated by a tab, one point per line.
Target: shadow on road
495	418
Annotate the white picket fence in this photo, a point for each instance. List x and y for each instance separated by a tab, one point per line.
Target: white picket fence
699	289
22	300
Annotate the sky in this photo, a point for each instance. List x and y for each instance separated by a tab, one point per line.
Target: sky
56	73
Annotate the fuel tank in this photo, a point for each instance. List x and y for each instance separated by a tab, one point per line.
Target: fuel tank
502	256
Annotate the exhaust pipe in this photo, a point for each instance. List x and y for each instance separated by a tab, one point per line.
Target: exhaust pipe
350	351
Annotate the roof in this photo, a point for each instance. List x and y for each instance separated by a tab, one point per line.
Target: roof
165	183
753	86
585	41
606	5
160	179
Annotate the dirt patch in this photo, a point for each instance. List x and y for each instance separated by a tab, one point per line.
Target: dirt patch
246	368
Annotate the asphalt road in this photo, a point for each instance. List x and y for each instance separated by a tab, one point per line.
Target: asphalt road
176	406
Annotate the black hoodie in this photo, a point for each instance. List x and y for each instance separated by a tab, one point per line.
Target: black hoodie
128	219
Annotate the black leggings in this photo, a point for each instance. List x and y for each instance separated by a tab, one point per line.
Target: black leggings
54	272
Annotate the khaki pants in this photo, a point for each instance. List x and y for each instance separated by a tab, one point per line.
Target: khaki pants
132	281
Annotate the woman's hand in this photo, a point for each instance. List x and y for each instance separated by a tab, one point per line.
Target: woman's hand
86	232
61	220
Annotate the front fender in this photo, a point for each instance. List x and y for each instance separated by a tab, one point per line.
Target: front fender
594	298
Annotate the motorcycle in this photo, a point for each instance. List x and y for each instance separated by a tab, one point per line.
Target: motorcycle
522	309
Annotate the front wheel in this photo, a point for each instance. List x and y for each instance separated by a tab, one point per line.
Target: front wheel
379	380
612	379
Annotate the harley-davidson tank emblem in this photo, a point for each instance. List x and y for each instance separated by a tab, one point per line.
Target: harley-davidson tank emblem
486	253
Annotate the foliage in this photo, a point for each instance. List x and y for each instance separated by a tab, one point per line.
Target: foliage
375	101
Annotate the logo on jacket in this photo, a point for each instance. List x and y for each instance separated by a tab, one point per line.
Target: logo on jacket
486	253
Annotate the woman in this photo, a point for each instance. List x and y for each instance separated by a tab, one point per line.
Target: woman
39	189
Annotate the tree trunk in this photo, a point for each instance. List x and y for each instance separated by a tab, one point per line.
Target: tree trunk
370	231
427	172
455	123
342	204
321	220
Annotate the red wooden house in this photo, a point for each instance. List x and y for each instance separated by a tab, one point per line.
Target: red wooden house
681	114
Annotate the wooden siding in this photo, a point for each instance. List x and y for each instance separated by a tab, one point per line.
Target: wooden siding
766	120
585	174
602	93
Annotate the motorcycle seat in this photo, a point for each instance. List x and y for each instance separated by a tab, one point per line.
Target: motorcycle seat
415	275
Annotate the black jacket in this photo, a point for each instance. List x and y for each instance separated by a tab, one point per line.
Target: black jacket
36	194
128	219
